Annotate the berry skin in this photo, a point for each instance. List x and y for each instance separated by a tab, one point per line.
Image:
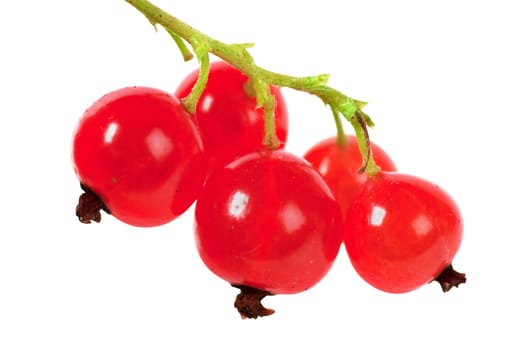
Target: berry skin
402	232
339	165
230	123
139	152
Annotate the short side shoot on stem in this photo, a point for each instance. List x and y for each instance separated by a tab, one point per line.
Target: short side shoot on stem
201	48
187	55
238	56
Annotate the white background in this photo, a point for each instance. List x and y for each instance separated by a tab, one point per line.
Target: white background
445	86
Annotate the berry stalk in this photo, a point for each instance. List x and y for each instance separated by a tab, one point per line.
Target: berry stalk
238	56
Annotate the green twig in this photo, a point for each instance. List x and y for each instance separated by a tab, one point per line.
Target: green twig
341	139
186	53
238	56
201	48
266	100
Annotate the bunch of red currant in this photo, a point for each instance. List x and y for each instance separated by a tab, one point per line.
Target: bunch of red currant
266	221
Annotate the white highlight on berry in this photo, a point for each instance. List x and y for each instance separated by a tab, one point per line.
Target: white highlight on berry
292	217
110	132
207	101
238	204
377	216
159	144
422	225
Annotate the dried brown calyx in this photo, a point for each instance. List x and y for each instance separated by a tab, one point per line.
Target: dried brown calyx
89	206
449	278
248	302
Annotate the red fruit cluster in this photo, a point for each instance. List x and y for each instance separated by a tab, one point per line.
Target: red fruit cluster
266	221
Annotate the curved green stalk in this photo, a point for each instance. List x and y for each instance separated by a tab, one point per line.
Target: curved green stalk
186	53
238	56
201	49
341	139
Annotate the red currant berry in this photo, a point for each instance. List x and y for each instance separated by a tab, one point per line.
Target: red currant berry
268	224
402	232
227	115
339	165
139	153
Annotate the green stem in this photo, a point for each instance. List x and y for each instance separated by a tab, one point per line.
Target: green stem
201	49
368	165
266	100
341	139
186	53
238	56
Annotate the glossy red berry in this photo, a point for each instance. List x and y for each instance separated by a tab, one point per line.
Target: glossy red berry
402	232
139	152
269	222
339	165
227	115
